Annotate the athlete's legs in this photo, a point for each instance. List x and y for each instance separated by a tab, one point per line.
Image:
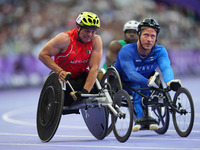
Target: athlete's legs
137	104
136	99
141	119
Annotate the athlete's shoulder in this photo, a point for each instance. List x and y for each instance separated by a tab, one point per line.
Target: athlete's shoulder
160	50
61	38
122	42
96	41
115	42
114	46
97	37
159	47
129	49
130	46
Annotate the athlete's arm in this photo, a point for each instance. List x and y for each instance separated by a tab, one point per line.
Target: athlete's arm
55	46
94	62
112	51
164	65
128	66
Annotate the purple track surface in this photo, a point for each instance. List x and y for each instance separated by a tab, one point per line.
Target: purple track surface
18	127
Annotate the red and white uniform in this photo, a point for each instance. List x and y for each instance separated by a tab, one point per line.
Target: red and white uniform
76	58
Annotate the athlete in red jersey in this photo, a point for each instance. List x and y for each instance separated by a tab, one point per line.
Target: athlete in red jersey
75	51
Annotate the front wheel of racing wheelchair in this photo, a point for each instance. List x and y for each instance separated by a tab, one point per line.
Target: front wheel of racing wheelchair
183	114
111	81
120	126
181	107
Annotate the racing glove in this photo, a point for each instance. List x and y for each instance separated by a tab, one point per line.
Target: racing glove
154	81
175	84
77	94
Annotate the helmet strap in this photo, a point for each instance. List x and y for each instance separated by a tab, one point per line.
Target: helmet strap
139	34
78	37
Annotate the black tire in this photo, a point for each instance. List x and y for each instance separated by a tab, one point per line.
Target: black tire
112	81
161	114
50	107
183	122
122	126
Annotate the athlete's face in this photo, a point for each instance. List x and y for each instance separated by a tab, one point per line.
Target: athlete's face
148	38
131	36
87	34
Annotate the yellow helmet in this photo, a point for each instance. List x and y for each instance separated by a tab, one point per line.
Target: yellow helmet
88	19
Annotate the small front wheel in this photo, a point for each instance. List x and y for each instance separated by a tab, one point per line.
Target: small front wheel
111	80
122	125
184	118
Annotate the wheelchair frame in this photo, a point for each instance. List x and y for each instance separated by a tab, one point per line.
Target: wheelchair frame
162	107
92	106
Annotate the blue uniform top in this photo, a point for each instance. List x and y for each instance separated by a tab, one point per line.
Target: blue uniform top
136	69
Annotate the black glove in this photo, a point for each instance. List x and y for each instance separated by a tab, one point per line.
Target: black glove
175	84
77	94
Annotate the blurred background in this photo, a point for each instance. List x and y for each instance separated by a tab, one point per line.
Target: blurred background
27	25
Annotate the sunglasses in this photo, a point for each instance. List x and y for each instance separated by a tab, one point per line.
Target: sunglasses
88	31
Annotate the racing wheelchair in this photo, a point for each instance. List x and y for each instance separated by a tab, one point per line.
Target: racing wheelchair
94	108
159	104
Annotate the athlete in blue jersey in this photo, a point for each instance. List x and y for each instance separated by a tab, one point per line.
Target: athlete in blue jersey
137	61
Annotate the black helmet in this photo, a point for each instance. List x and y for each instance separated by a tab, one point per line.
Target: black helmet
149	22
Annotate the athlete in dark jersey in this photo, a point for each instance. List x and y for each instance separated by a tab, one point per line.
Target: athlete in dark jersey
136	61
75	51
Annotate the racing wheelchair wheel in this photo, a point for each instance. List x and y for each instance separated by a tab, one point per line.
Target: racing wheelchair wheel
184	119
50	108
160	111
122	124
163	117
111	80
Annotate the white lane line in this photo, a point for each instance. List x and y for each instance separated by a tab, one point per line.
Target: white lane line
8	117
110	137
92	146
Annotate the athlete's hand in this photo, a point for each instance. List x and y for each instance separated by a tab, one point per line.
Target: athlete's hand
174	84
77	94
63	75
154	81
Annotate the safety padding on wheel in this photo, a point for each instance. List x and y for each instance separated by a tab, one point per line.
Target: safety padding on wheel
50	107
96	120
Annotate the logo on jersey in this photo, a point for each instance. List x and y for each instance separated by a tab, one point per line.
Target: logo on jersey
89	52
144	68
79	61
151	58
138	60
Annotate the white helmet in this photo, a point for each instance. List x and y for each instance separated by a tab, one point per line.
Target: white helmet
132	24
